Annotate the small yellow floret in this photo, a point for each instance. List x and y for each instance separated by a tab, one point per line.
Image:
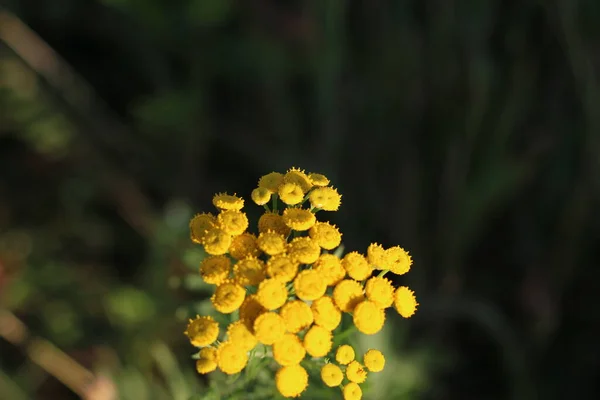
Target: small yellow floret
397	260
376	256
309	285
288	350
202	331
228	297
326	313
405	302
325	198
344	354
271	243
215	269
374	360
250	310
291	380
357	266
297	315
326	235
282	267
269	328
290	193
249	271
332	375
317	341
261	196
352	391
216	241
330	268
272	293
318	179
273	222
380	291
225	201
200	224
271	181
347	294
231	358
299	219
208	360
238	333
243	246
233	222
368	317
299	177
355	372
304	250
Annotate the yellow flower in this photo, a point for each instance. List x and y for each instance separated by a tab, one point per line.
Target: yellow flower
250	310
291	194
249	271
297	315
374	360
332	375
269	328
357	266
304	250
271	181
299	219
326	235
397	260
330	268
405	302
318	179
233	222
288	350
228	297
272	293
368	317
243	246
200	224
352	391
231	358
299	177
291	380
202	331
317	341
215	269
356	372
271	243
273	222
380	291
225	201
347	294
325	198
309	285
261	196
326	313
208	360
238	333
282	267
344	354
376	255
216	241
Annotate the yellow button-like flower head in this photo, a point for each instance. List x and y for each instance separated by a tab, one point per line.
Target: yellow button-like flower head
299	177
238	332
243	246
318	179
309	285
291	194
325	198
272	293
282	267
269	328
288	350
405	302
374	360
271	181
216	241
304	250
225	201
352	391
231	358
368	317
380	291
273	222
233	222
326	313
291	380
326	235
357	266
208	360
356	372
376	256
202	331
344	354
261	196
215	269
200	224
271	243
317	341
332	375
330	268
228	297
299	219
347	294
250	310
397	260
297	315
249	271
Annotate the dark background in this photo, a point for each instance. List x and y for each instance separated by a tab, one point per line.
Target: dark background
466	131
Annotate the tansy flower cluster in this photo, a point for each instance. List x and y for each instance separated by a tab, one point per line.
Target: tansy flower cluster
286	291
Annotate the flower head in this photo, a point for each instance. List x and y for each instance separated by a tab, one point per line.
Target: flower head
357	266
291	380
309	285
269	328
318	179
228	297
200	224
344	354
317	341
207	361
271	181
202	331
249	272
233	222
347	294
272	293
331	375
380	291
231	357
271	242
297	315
397	260
325	198
238	332
225	201
288	350
376	255
368	317
299	219
374	360
216	241
330	268
326	235
356	372
215	269
326	313
250	310
405	302
290	193
273	222
298	177
261	196
282	267
243	246
304	250
352	391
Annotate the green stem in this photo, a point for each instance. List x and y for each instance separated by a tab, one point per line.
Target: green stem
267	208
345	334
383	272
274	198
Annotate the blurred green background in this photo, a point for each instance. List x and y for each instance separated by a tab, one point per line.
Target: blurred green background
466	131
